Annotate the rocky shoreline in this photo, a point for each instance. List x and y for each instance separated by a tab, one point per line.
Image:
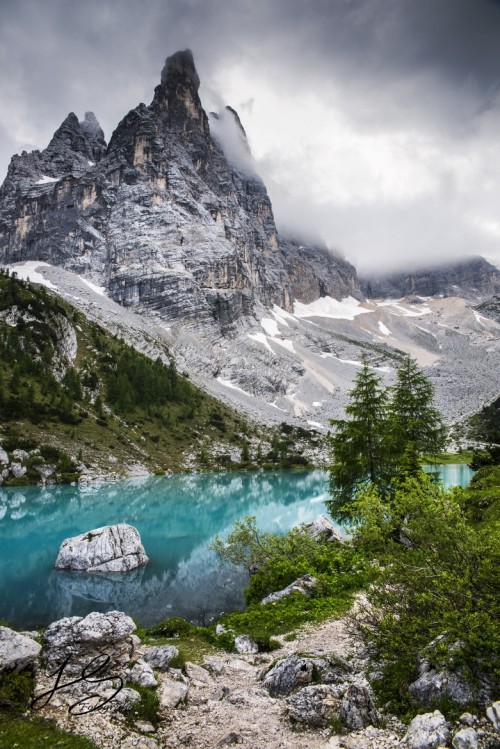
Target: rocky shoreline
312	692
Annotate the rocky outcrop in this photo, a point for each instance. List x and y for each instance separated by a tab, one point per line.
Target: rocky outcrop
172	693
141	673
245	644
470	277
314	706
357	709
287	675
434	685
493	714
83	639
322	529
162	216
467	738
161	656
112	548
17	652
304	585
427	731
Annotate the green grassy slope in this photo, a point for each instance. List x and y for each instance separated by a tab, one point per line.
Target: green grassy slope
80	395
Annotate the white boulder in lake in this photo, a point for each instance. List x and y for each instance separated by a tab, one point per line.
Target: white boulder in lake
113	548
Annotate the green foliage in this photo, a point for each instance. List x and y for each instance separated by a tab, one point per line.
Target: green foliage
372	446
145	709
108	384
359	446
414	419
262	623
16	690
438	578
245	545
174	626
278	560
485	426
38	733
481	499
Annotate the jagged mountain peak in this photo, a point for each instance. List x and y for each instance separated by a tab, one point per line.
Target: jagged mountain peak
85	138
179	69
166	219
236	117
177	103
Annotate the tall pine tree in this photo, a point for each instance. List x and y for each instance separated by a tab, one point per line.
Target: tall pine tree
414	418
360	448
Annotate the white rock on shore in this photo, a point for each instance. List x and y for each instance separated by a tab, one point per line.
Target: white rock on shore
112	548
16	651
83	639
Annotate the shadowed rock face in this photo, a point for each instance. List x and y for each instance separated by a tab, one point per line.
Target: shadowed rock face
160	216
470	277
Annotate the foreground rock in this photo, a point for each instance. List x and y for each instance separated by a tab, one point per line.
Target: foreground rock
428	731
287	675
433	685
112	548
304	585
83	639
467	738
17	652
493	714
314	705
322	529
161	656
245	644
141	673
357	709
171	694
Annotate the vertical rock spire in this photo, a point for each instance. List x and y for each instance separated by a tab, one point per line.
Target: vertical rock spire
177	101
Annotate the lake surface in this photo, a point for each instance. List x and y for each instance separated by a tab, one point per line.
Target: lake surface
177	518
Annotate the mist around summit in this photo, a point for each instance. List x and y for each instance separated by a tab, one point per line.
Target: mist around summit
374	125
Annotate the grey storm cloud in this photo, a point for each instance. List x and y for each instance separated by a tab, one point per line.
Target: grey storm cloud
411	70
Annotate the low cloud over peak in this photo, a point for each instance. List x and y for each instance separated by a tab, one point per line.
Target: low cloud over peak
374	124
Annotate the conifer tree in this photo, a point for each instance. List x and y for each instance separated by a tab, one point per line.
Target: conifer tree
414	418
360	449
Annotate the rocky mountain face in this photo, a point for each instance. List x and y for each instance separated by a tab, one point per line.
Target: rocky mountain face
470	277
161	217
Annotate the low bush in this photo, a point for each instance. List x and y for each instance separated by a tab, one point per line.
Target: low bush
174	626
438	578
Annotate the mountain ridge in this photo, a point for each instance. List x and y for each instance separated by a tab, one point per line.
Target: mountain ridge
182	234
470	277
162	218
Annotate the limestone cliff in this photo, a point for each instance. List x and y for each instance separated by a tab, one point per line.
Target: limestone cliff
162	217
467	277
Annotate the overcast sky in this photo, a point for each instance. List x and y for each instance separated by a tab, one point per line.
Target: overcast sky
375	123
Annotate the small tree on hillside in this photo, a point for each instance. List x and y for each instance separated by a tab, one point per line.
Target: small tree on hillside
359	447
414	418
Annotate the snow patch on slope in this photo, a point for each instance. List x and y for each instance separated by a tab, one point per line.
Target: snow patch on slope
260	338
98	289
27	272
46	180
229	384
270	326
403	310
345	309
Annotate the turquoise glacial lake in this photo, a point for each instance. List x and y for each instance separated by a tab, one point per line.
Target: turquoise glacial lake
177	518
